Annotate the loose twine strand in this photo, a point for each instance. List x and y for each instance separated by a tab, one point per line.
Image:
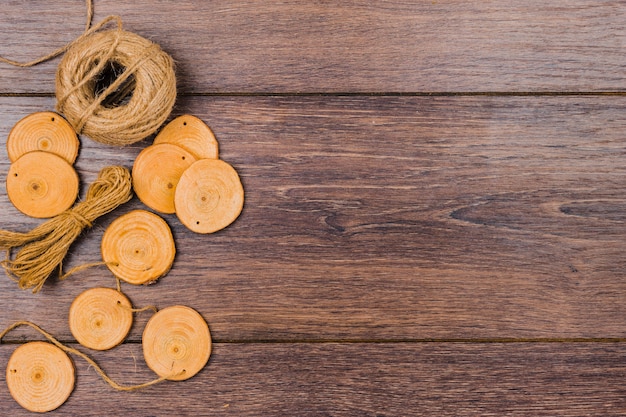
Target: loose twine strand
44	248
84	356
88	30
118	285
147	82
152	308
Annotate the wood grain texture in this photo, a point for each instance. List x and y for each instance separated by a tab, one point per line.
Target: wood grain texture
350	46
388	218
423	182
362	380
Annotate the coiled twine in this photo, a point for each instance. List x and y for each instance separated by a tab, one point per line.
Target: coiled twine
140	94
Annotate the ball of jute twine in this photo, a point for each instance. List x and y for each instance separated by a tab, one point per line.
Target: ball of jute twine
134	105
147	83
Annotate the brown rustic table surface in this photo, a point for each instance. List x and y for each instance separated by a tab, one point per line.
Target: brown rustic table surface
435	219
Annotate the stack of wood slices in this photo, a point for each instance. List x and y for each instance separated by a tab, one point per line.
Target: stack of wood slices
42	181
179	173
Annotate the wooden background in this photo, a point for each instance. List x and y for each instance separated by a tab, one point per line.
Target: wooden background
434	220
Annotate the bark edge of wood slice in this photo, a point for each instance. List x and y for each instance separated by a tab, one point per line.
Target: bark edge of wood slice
100	318
176	343
191	134
156	172
43	131
40	376
41	184
138	247
209	196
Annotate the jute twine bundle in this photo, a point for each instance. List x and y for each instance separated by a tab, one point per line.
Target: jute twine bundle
44	248
134	105
147	82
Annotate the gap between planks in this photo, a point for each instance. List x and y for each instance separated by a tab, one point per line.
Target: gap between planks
608	340
379	94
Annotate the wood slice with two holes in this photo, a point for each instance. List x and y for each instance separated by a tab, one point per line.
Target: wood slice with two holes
191	134
40	376
156	172
176	343
100	318
138	247
43	131
209	196
42	184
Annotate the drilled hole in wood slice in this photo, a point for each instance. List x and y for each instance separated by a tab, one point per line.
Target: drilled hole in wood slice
191	134
40	376
138	247
156	172
43	131
42	184
176	343
100	318
209	196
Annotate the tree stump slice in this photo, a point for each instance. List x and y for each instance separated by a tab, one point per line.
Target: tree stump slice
156	172
138	247
40	376
100	318
42	184
191	134
176	343
209	196
43	131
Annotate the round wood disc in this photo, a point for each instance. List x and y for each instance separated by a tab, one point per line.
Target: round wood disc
156	172
42	184
209	196
100	318
192	134
40	376
176	343
43	131
138	247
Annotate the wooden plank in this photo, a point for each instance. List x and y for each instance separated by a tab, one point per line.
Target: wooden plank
350	46
362	380
385	218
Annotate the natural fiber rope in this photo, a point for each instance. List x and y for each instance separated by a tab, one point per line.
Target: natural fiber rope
45	247
64	48
152	308
147	82
149	103
90	361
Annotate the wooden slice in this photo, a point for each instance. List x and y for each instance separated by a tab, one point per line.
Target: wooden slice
138	247
191	134
209	196
43	131
156	172
40	376
42	184
100	318
176	343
